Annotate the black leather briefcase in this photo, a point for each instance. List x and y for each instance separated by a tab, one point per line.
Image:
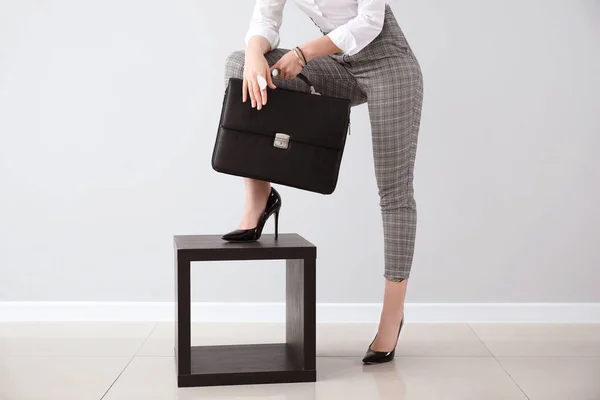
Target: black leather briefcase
296	140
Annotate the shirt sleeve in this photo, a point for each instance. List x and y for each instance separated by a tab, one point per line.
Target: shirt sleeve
357	33
266	20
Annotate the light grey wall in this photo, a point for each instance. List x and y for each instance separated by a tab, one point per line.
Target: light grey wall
108	112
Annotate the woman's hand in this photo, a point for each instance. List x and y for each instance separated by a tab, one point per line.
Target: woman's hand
256	64
289	66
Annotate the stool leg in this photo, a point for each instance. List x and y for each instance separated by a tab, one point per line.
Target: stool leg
183	315
301	310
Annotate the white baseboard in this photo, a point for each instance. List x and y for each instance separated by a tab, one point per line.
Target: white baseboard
275	312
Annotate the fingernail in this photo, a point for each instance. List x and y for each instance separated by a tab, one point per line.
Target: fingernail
264	102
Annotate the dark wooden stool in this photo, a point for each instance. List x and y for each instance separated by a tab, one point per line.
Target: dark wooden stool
293	361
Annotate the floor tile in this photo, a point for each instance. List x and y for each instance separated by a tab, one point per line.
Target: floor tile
416	340
556	378
418	378
161	341
540	340
333	340
343	378
58	378
72	339
153	378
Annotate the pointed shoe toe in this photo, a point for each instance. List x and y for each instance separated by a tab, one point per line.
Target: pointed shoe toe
378	357
240	235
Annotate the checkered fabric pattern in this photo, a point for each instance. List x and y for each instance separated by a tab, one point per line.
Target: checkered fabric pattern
387	76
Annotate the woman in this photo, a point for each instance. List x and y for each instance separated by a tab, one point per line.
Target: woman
362	56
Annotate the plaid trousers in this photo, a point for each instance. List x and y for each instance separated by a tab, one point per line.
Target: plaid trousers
387	76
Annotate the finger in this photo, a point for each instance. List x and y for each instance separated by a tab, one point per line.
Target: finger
264	96
251	92
270	81
263	92
257	95
245	91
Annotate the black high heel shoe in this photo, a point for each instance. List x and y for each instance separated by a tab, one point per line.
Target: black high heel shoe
380	357
248	235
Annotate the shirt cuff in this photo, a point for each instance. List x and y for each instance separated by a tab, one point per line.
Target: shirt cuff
271	36
343	39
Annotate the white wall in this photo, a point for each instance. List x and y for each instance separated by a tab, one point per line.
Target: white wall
108	111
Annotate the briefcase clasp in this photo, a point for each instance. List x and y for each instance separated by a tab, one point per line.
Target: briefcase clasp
282	141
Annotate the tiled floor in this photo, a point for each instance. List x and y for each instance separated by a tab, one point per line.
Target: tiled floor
113	361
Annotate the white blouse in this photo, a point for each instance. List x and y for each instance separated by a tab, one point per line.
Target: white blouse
350	24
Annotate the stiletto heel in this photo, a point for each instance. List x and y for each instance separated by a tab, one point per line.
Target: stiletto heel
380	357
248	235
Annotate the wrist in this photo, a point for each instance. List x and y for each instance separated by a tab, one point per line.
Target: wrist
258	45
254	50
307	51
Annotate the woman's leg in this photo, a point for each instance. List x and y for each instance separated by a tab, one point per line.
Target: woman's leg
257	194
391	315
395	97
395	110
390	75
329	78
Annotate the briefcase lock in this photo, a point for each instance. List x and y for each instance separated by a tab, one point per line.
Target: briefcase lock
282	141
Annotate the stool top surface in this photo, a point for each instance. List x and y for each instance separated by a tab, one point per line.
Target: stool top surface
214	242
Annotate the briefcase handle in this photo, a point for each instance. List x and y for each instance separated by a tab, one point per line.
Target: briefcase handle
304	79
